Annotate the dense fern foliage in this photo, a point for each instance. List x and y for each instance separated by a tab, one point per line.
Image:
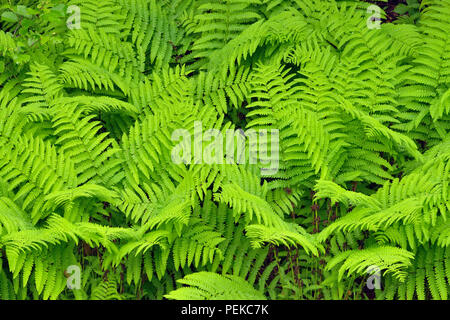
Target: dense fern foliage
88	181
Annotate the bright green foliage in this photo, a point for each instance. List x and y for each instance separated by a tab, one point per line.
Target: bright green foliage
86	171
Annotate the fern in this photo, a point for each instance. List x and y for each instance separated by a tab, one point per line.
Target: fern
211	286
359	123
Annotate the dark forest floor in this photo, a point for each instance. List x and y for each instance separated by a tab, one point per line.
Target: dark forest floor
388	7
